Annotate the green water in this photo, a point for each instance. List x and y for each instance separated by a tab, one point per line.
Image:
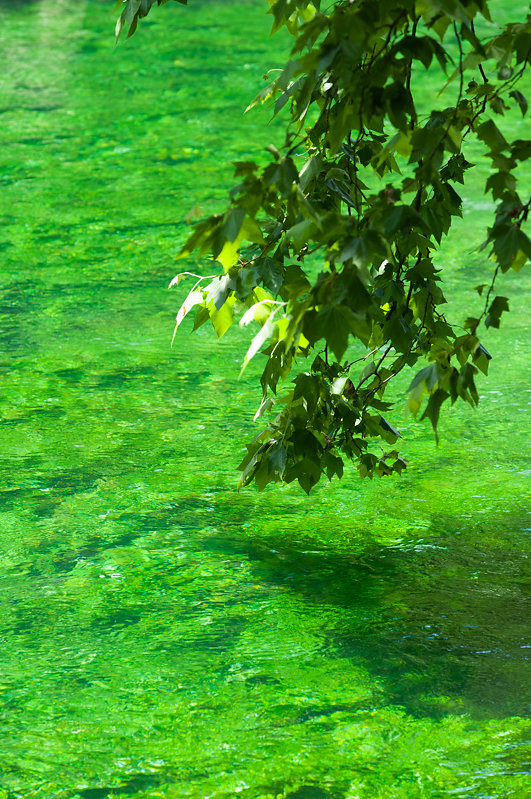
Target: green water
161	635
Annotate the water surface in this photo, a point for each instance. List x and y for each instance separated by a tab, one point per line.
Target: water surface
161	635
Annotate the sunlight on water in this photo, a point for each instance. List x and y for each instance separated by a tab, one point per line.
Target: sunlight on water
163	636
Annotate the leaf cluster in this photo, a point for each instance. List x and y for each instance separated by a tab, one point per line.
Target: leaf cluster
331	248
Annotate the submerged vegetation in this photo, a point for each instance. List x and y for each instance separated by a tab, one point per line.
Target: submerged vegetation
164	636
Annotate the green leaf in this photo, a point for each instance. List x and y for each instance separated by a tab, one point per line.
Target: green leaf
223	317
258	342
333	465
492	136
429	376
202	315
271	275
496	308
232	224
301	233
343	193
506	245
390	433
433	409
277	457
520	99
330	324
466	387
481	359
499	183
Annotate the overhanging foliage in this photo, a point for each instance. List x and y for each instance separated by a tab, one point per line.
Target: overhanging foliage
330	249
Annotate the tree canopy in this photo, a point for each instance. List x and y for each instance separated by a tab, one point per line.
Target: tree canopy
331	248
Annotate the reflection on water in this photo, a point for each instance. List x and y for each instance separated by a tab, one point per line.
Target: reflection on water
162	635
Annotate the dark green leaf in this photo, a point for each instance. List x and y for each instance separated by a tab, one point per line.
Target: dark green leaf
496	308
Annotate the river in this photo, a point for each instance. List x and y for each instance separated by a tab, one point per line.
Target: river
161	634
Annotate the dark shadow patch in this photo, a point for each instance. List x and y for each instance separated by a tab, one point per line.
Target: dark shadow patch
138	782
441	620
313	792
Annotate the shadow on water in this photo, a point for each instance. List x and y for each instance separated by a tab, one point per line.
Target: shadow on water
146	782
441	620
138	782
